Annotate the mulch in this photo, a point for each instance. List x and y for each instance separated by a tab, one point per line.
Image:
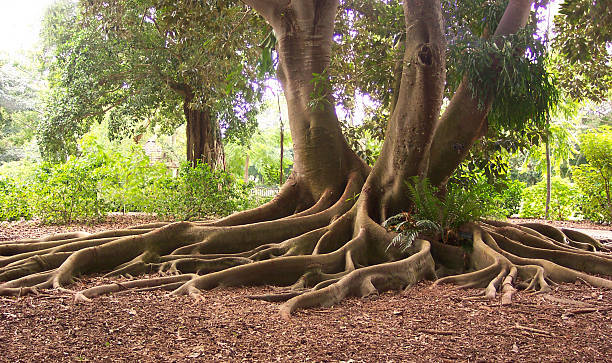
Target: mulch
564	224
574	323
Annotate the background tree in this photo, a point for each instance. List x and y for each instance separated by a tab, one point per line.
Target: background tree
19	107
145	63
322	235
583	36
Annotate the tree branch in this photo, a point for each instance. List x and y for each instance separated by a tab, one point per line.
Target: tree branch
463	120
267	8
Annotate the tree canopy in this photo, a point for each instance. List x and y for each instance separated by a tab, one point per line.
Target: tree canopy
139	62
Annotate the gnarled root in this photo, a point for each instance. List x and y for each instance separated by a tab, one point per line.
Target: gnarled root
323	253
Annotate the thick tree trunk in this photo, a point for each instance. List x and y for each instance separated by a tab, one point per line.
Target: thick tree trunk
465	117
405	152
323	161
203	138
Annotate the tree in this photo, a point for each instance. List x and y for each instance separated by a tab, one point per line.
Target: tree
19	107
144	63
322	234
583	38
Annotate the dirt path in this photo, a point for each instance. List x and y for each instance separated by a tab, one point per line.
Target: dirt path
420	324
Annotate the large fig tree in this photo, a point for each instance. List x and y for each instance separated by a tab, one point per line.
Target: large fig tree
322	234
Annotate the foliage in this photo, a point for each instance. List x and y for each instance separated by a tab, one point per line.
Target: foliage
595	177
493	179
511	197
562	200
19	104
67	192
583	35
522	86
366	139
198	192
440	215
141	61
14	200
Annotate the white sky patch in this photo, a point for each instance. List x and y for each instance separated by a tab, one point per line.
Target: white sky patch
20	24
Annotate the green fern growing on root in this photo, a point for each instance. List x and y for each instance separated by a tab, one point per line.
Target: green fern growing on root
440	215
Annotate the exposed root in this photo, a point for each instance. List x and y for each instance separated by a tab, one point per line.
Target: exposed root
323	254
369	280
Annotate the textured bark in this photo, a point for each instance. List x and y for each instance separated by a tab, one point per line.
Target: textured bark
203	138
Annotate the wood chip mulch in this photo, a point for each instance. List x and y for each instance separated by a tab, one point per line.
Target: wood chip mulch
421	324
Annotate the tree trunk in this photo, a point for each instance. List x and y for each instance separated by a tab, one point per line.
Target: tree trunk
282	151
246	168
548	186
322	159
203	138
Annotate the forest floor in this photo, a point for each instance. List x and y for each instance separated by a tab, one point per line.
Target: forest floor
573	323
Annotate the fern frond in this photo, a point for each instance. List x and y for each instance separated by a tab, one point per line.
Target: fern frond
427	225
394	220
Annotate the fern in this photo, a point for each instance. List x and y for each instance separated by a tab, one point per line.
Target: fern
436	214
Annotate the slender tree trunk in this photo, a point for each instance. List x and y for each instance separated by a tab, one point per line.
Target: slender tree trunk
203	138
246	168
282	151
282	139
548	186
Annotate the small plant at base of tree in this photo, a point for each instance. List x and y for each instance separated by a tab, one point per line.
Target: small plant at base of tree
441	217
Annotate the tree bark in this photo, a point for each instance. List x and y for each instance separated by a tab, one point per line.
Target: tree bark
203	138
465	116
322	159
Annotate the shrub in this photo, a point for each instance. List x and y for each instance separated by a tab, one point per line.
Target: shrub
127	175
62	193
14	199
511	196
442	216
594	179
198	192
563	198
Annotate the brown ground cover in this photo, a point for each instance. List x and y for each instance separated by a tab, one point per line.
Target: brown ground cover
574	323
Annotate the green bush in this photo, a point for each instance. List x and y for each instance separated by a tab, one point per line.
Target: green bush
127	174
510	197
594	179
66	192
563	199
198	192
14	199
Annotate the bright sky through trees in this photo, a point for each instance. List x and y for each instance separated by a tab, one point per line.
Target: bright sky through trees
20	24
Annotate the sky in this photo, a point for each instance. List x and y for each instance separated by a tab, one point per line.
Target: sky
20	24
